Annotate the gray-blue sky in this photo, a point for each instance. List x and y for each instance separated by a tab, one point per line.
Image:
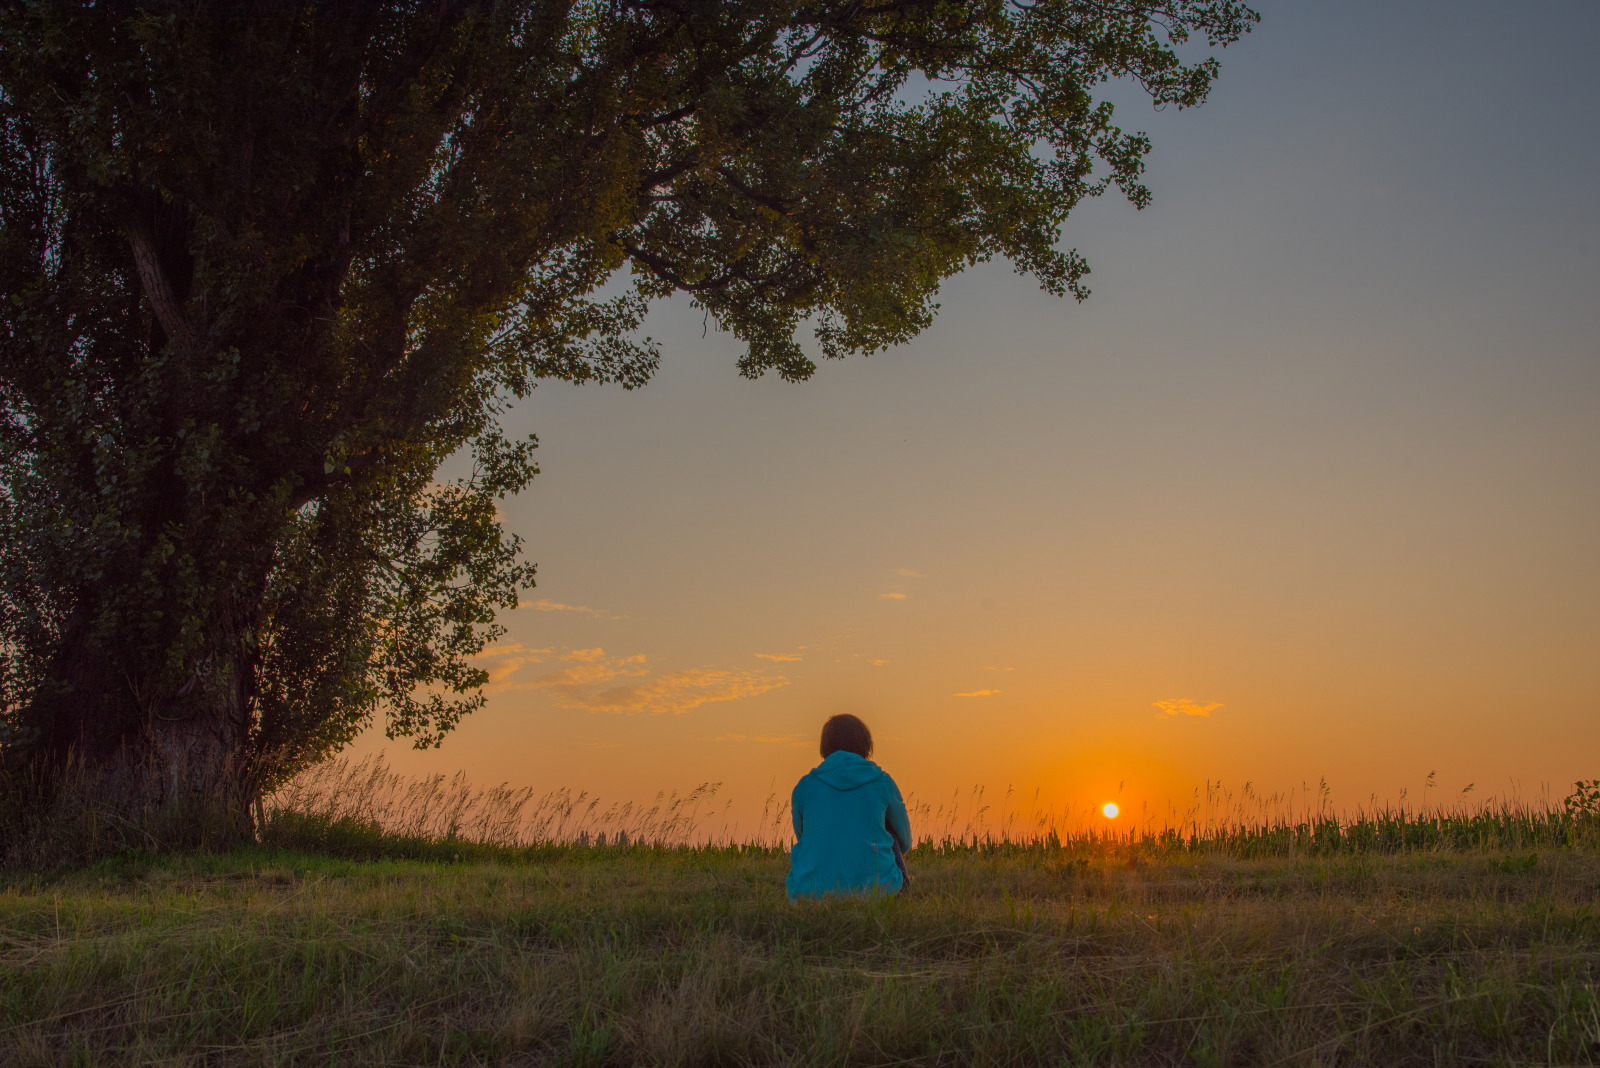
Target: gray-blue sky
1321	448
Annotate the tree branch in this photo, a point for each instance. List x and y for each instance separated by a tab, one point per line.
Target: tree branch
158	287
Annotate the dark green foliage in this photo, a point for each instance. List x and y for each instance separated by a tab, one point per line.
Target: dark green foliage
263	267
1584	799
1390	831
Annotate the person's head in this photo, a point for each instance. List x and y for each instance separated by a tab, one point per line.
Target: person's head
846	732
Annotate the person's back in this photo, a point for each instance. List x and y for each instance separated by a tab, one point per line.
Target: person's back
849	820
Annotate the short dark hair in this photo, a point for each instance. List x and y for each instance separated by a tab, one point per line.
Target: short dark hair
846	732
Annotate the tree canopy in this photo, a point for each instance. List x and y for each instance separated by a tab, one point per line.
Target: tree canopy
264	266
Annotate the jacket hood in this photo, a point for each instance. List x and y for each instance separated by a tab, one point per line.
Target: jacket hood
846	771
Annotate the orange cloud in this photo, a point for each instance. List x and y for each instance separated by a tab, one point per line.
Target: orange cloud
586	667
582	681
891	596
506	660
879	663
590	667
557	606
1182	706
781	658
774	739
978	693
674	693
907	572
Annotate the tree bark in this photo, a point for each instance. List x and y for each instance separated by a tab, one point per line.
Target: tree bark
121	767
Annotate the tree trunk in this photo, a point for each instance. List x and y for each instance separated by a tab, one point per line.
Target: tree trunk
125	768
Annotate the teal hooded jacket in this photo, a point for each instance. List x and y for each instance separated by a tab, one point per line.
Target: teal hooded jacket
845	810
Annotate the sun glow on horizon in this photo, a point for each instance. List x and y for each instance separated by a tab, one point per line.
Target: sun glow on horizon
1110	810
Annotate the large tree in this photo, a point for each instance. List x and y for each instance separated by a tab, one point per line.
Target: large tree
264	266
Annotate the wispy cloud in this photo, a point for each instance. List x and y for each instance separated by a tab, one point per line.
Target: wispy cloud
999	669
590	679
879	663
780	658
1182	706
978	693
675	692
503	661
770	739
907	572
891	596
582	668
556	606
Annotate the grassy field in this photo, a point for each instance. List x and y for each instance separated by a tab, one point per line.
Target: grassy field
584	955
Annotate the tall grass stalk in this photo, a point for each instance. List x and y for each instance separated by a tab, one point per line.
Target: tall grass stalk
368	798
356	806
462	926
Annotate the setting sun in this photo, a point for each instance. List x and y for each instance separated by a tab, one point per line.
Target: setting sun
1110	810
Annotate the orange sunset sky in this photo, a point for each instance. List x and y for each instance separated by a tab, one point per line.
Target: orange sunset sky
1307	488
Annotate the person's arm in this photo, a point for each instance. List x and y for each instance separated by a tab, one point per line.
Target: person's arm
794	812
897	821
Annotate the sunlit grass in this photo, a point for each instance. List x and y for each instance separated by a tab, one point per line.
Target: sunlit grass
999	955
460	937
341	805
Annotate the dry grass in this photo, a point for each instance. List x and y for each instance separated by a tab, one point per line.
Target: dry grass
386	921
365	809
628	955
368	794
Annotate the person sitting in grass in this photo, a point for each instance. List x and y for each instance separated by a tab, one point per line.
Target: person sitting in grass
850	822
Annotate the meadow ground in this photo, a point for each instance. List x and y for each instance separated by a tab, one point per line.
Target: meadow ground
1000	955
